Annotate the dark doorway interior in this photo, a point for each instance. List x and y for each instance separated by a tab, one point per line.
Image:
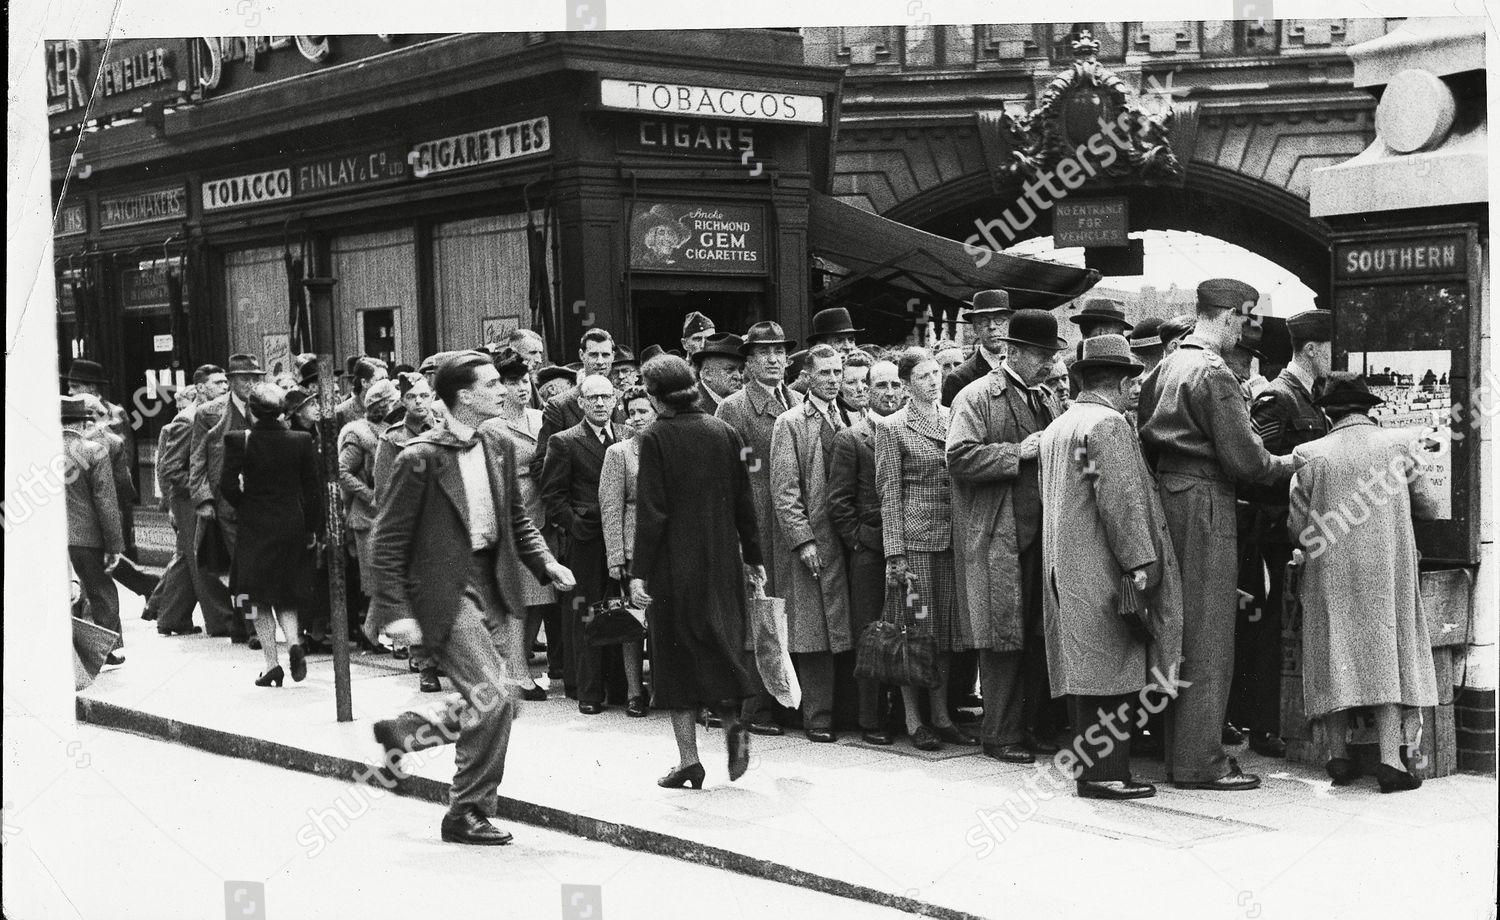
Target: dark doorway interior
657	315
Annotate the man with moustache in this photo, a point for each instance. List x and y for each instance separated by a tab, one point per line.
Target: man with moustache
854	509
720	369
449	545
993	443
987	313
752	412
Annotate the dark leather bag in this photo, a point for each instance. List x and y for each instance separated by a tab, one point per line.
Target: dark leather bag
890	653
213	552
612	621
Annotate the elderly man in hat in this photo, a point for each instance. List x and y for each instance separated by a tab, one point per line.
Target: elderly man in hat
211	422
626	371
1284	416
1146	344
993	444
95	540
697	329
1102	521
806	552
720	369
834	327
1196	428
596	356
752	412
1099	316
1364	636
987	314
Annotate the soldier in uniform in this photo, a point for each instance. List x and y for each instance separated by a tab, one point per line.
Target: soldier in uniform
1197	433
1284	416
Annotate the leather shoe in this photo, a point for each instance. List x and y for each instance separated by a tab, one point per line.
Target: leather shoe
1236	780
1230	736
1342	771
821	735
189	631
591	709
534	694
1115	789
429	683
877	737
1267	744
925	739
764	728
955	735
1009	753
637	707
1393	780
1037	746
471	827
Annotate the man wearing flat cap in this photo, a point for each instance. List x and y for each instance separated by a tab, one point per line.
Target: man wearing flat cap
987	313
1196	430
1284	416
721	370
697	329
212	421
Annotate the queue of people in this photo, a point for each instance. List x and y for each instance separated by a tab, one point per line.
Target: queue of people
1068	531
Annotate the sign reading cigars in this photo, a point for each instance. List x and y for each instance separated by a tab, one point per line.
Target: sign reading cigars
709	102
143	207
483	148
687	138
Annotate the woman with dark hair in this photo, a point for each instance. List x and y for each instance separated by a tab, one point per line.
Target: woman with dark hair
271	478
695	524
617	501
302	413
916	513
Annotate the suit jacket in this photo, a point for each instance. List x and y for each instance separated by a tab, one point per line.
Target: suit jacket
174	456
911	472
391	442
965	374
522	432
817	609
93	509
420	542
358	442
708	399
617	485
570	481
853	500
562	412
211	421
752	413
996	503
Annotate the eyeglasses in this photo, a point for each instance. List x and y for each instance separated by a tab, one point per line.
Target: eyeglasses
597	397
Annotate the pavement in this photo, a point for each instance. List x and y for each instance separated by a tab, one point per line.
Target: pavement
945	834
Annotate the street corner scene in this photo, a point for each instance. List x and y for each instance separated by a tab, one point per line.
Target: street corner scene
666	466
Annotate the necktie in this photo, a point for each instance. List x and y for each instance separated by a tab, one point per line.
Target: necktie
604	437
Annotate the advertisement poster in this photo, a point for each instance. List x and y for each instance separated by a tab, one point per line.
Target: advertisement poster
494	329
1414	385
680	237
278	354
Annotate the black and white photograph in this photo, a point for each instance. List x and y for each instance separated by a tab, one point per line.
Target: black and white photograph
597	460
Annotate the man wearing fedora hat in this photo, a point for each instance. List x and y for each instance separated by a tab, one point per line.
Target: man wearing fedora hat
697	329
87	378
1101	316
987	313
1103	521
721	370
752	412
1196	428
212	421
834	327
95	541
1146	344
626	371
992	449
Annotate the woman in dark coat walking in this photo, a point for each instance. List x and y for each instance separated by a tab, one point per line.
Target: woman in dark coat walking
695	525
303	414
271	478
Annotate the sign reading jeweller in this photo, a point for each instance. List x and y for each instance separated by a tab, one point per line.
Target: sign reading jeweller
143	207
482	148
710	101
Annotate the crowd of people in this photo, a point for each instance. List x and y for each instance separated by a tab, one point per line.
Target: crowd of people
1076	530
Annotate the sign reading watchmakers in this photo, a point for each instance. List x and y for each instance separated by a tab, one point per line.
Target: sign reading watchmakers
482	148
678	237
710	101
143	207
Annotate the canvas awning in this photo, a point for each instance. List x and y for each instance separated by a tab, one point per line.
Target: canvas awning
872	248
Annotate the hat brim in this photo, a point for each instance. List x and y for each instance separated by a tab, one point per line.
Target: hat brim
703	354
849	331
1096	318
747	348
244	373
1358	400
985	311
1142	344
1131	368
1061	343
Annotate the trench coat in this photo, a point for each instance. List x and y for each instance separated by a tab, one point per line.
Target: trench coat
752	413
1101	518
989	421
523	431
817	609
1364	635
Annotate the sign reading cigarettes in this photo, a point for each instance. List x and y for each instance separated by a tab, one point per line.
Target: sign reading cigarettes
710	101
482	148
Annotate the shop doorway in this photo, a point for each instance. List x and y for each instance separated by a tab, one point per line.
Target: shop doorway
147	350
657	315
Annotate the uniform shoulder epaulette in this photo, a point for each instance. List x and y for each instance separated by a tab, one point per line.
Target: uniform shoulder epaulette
1212	359
1265	398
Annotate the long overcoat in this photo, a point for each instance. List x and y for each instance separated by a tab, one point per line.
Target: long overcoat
1364	635
272	479
989	421
1101	518
817	609
752	413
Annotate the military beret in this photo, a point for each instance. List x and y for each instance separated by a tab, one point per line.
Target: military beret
1311	326
1226	294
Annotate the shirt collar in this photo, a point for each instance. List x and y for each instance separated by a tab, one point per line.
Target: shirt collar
460	430
1010	372
598	430
239	404
993	361
1303	377
823	407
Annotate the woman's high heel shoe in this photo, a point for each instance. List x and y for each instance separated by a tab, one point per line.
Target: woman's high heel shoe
1393	780
273	676
299	662
683	776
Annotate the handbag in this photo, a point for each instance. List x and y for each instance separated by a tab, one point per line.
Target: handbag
613	621
212	551
773	657
890	653
92	643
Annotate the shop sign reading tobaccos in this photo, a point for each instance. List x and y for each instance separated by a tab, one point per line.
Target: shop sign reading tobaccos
709	101
483	148
678	237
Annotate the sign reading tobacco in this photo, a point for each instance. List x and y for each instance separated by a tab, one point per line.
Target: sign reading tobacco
253	188
483	148
709	101
678	237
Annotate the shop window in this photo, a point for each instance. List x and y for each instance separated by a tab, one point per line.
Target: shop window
378	334
482	278
377	275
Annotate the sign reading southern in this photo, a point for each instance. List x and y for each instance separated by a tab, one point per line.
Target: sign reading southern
689	138
678	237
144	207
1091	222
251	188
482	148
1401	258
709	101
